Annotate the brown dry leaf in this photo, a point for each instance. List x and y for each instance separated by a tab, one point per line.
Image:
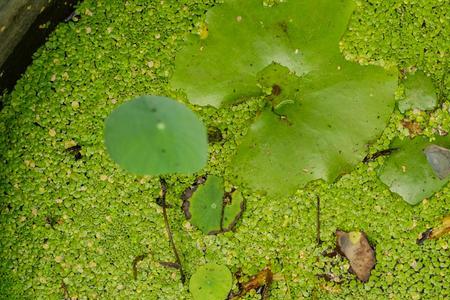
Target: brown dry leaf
413	127
436	232
356	248
261	280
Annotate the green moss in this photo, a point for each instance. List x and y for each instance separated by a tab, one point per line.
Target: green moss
104	217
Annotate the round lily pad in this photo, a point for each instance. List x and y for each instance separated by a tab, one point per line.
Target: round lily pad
153	135
411	170
210	282
208	209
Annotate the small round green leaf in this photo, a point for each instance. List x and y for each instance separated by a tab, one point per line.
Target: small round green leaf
407	171
210	282
153	135
210	212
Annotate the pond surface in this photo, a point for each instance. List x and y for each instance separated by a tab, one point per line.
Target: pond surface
72	222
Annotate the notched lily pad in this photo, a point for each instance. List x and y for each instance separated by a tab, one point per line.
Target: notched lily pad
437	232
419	93
212	210
323	109
210	282
356	248
414	171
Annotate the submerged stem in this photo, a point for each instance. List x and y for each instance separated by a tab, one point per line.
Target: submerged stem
318	240
169	231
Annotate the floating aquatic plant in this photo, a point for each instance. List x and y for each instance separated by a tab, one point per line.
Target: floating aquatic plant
152	135
417	168
210	282
211	209
322	109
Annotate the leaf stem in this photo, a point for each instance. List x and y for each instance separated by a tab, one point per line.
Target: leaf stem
169	231
319	241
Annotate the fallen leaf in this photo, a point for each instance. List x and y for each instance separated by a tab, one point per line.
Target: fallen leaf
356	248
261	280
65	290
413	127
437	232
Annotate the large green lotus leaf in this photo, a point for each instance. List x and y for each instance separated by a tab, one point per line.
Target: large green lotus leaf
152	135
323	110
245	37
210	282
407	171
323	134
419	93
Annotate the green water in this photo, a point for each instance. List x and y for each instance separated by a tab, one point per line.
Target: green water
83	222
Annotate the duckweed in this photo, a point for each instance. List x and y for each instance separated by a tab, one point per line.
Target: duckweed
73	227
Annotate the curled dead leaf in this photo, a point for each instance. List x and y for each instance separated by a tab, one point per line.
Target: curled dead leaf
356	248
259	282
437	232
413	127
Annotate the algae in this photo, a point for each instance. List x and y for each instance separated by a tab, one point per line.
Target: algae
103	217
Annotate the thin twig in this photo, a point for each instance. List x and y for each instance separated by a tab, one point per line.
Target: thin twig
136	260
372	157
227	198
65	290
169	264
266	290
169	232
319	241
